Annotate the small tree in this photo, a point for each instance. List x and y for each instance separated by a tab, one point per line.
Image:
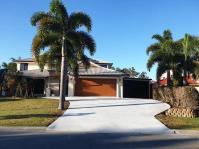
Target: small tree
143	75
9	78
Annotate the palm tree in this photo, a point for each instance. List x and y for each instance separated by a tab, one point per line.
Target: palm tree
159	54
190	47
60	33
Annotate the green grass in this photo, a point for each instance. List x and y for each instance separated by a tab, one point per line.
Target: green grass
179	123
28	112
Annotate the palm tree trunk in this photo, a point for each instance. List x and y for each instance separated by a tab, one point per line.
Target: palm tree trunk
63	76
185	77
168	77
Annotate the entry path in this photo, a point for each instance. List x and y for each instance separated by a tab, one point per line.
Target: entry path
112	115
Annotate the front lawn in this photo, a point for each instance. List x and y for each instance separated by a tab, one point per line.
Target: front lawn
28	112
178	122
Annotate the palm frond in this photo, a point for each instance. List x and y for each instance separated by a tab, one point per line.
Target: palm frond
36	45
167	35
161	69
58	8
87	42
35	19
47	25
154	58
152	48
79	19
158	37
86	61
42	60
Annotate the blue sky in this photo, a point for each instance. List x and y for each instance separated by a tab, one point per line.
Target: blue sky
122	29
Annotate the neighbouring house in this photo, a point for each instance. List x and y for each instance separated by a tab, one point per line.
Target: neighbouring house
190	79
98	80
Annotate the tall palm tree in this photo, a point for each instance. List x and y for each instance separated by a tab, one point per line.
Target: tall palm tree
190	47
159	54
60	33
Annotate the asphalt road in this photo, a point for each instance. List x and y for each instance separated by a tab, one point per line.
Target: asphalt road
40	139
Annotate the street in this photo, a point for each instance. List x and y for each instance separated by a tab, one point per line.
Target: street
41	139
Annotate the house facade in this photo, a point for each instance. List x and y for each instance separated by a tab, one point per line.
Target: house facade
98	80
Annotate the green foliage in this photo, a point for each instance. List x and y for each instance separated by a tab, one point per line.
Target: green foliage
52	26
8	82
79	19
177	56
10	67
132	72
143	75
161	53
13	82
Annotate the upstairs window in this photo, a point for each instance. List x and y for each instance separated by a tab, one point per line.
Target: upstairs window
23	66
105	65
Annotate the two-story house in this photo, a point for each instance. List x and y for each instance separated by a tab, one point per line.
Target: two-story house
98	80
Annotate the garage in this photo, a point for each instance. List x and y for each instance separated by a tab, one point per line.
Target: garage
137	88
95	87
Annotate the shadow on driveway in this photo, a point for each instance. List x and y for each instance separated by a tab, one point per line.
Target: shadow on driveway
115	105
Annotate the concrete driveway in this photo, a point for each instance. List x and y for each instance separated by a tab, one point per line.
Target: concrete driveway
111	115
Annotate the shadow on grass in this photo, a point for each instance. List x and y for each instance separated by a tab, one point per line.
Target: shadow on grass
29	116
41	116
9	99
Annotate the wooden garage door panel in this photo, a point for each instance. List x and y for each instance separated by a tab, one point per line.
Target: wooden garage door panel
95	87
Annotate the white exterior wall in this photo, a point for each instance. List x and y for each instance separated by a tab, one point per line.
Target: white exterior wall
71	86
197	88
120	87
18	66
31	66
164	75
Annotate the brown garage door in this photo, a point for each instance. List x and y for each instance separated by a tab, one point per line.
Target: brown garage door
95	87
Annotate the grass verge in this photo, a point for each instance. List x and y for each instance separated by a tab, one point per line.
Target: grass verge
28	112
179	122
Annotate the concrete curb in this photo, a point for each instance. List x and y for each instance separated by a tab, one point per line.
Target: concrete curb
186	132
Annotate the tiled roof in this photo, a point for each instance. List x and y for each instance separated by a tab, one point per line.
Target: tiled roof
25	60
99	61
92	60
99	71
